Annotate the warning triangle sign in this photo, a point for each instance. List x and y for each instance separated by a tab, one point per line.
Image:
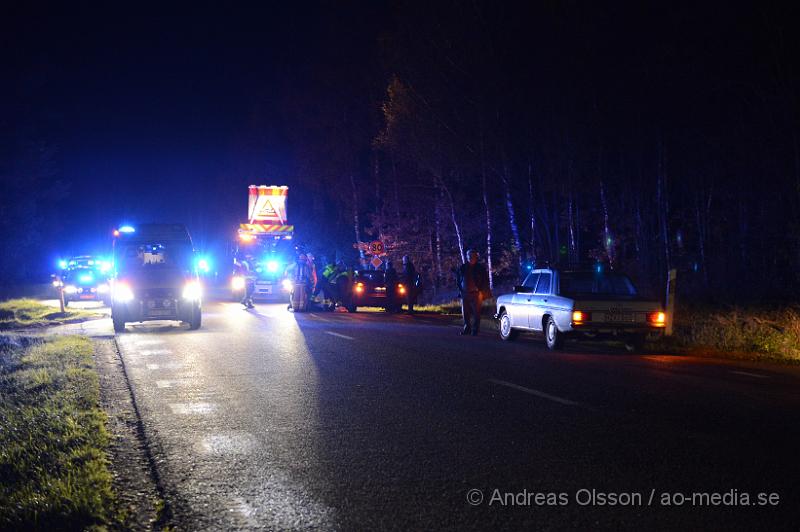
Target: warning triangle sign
267	210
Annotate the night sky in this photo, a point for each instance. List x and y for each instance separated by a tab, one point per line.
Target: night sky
168	113
172	111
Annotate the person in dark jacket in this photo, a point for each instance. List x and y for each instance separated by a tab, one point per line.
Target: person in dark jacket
473	287
243	269
409	278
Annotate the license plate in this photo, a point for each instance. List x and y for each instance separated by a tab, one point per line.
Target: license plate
619	316
86	296
160	312
265	289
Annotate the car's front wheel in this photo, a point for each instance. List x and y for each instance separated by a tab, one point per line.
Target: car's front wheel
197	318
507	333
552	336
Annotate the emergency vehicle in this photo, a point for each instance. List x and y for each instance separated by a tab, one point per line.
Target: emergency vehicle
265	244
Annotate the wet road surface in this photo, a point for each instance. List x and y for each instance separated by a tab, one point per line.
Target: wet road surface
273	420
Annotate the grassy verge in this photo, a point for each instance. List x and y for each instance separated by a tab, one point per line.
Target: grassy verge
54	472
19	313
751	333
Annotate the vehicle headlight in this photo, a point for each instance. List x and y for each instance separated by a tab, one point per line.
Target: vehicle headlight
192	290
272	266
70	289
287	285
122	292
102	288
237	283
359	288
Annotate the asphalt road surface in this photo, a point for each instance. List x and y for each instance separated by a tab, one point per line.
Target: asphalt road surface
273	420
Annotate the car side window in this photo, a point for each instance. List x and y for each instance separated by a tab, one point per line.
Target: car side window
531	280
543	287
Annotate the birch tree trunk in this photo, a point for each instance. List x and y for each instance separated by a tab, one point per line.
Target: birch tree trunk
608	242
488	219
356	222
454	219
512	218
532	213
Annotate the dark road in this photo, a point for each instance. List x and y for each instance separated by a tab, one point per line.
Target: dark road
268	419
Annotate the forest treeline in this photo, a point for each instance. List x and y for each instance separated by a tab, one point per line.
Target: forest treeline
646	138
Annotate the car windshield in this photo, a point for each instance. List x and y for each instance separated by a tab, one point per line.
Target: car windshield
148	256
375	276
599	284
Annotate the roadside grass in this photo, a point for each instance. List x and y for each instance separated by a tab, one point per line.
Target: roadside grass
54	473
20	313
736	332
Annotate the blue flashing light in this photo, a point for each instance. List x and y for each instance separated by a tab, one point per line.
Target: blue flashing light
86	278
203	265
62	264
273	265
598	268
127	229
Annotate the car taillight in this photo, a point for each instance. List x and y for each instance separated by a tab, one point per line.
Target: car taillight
359	288
401	289
658	319
580	316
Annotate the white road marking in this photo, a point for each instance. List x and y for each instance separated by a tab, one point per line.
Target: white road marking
227	443
168	384
148	342
320	318
168	365
340	335
756	375
152	352
192	408
537	393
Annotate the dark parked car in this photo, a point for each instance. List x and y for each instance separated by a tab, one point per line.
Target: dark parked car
369	289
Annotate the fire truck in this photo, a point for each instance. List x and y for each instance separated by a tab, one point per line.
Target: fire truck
265	243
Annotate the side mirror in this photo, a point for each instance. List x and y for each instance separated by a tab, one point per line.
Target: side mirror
523	289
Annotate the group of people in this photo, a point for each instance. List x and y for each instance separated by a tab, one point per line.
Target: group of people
334	285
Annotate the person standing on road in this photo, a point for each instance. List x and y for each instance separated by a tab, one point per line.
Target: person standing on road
243	269
409	278
473	287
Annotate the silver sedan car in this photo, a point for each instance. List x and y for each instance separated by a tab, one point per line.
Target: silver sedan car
579	304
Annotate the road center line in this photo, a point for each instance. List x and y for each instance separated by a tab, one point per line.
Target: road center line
537	393
756	375
340	335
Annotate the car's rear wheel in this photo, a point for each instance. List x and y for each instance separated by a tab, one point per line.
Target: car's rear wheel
552	336
507	333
